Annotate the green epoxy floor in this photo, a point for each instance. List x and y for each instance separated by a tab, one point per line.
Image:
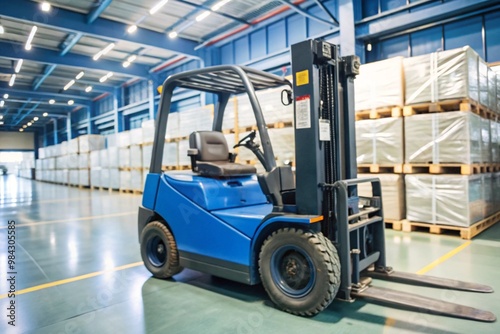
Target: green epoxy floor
65	232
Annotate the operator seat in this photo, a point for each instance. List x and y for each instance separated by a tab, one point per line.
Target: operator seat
210	156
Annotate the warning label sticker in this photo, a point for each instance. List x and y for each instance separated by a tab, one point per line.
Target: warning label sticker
302	78
303	112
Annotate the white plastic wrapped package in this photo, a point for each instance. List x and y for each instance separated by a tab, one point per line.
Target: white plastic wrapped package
170	155
95	159
64	148
135	156
283	142
103	158
64	175
148	131
136	136
228	122
444	199
56	150
95	177
91	143
172	126
84	177
62	162
492	89
244	154
145	173
483	82
184	159
495	149
485	140
451	74
230	140
74	176
125	180
488	197
113	154
380	141
83	160
273	110
498	93
72	161
123	139
147	150
393	194
124	157
380	84
73	146
450	137
111	140
496	191
136	180
197	119
246	116
41	153
110	178
51	163
38	164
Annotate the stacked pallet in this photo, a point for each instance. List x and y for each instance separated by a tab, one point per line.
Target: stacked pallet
26	167
450	149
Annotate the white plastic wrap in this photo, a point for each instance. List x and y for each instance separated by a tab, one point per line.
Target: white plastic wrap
135	136
74	146
283	142
380	84
56	150
170	155
244	154
95	177
492	89
147	150
230	140
393	194
228	122
488	197
111	140
380	141
72	161
51	163
456	200
197	119
83	160
113	154
498	93
183	158
135	156
483	82
496	191
450	137
64	148
136	180
451	74
38	164
103	158
124	157
273	110
41	153
62	162
145	173
74	176
125	180
91	143
95	159
110	178
64	175
173	130
148	131
246	117
84	177
495	149
485	140
123	139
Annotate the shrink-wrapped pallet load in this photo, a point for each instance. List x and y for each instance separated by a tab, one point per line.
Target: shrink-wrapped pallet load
110	178
95	159
380	84
495	149
451	74
124	177
148	130
283	141
88	143
449	137
184	159
393	194
380	141
483	82
147	150
136	180
170	155
72	161
135	156
272	108
197	119
456	200
84	177
228	122
73	146
492	90
95	177
123	139
73	176
83	160
124	157
135	136
173	126
112	157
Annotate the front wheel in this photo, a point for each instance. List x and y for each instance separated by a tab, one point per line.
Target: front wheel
300	270
159	250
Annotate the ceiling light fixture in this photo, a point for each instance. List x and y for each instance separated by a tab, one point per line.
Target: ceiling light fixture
29	124
30	38
80	75
2	103
52	101
69	84
21	130
202	16
45	114
45	6
1	122
109	75
1	116
131	58
172	34
2	30
157	6
88	89
12	80
25	126
369	47
35	118
103	51
18	65
132	29
219	5
6	96
126	64
71	102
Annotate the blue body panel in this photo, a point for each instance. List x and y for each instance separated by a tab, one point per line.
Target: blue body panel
245	219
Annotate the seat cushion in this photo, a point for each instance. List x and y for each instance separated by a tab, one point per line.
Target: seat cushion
223	168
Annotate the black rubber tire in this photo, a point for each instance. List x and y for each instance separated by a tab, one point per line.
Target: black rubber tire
159	250
324	280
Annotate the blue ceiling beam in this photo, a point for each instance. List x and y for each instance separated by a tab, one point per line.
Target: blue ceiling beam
48	70
97	11
377	28
17	92
307	14
70	42
16	51
27	114
70	21
22	108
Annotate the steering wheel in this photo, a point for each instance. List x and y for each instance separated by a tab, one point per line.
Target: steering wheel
250	137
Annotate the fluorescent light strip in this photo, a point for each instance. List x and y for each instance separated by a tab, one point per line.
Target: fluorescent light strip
103	51
202	16
219	5
12	80
109	75
157	6
2	103
126	64
18	65
132	29
131	58
172	34
6	96
30	37
80	75
69	84
88	89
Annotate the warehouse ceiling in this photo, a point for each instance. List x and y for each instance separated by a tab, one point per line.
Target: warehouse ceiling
58	56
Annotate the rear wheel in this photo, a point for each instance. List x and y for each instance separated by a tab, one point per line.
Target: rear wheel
159	250
300	270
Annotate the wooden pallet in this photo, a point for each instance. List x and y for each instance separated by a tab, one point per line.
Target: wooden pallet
375	168
182	167
130	191
464	232
463	169
392	111
394	224
449	105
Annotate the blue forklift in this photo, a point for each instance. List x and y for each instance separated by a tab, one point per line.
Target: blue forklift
305	235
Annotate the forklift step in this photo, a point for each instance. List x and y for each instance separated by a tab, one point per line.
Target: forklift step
423	304
431	281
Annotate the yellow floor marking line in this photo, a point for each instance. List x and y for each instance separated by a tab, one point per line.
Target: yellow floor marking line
443	258
69	220
73	279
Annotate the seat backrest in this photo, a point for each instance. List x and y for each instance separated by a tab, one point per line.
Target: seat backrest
211	145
